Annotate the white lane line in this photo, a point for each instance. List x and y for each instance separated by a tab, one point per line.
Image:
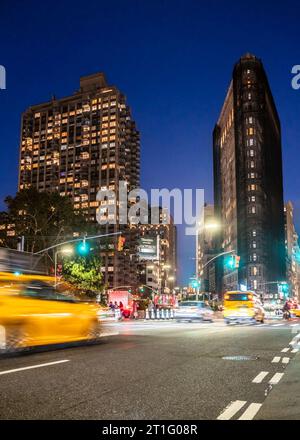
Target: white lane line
251	411
104	335
275	360
277	325
295	350
285	350
231	410
285	360
294	325
276	378
34	366
260	377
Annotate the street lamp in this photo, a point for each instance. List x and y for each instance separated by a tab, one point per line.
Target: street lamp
64	251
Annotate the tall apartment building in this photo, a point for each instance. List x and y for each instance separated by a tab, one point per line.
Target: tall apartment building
248	186
78	145
292	251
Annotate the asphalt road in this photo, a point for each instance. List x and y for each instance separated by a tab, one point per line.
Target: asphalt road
152	370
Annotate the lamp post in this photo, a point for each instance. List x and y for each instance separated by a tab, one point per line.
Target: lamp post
64	251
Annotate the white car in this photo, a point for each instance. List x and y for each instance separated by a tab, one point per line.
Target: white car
193	310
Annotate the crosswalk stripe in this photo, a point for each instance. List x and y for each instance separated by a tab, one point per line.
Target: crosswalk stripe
276	378
285	350
285	360
276	359
232	409
295	350
251	411
260	377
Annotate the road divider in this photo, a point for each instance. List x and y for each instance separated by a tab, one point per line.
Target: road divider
276	378
232	409
251	411
260	377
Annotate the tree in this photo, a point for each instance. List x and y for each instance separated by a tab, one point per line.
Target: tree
84	274
43	218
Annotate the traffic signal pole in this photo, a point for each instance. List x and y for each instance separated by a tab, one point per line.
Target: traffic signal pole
83	239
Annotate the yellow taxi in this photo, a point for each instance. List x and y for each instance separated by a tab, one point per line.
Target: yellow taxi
295	312
32	313
242	306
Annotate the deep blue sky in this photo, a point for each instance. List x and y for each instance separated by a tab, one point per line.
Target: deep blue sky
173	59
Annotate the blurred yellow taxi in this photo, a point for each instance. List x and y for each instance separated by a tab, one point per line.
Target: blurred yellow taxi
32	313
296	312
242	306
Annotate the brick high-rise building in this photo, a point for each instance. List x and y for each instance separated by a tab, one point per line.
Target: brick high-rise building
248	186
78	145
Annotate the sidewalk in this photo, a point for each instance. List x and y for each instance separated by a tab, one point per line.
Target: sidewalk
283	402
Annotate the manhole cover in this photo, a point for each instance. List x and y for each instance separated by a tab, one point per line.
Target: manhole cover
240	358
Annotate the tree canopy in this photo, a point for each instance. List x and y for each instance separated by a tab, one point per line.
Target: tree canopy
43	218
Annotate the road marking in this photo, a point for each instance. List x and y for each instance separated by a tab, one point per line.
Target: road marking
285	350
260	377
104	335
285	360
276	378
295	350
276	359
294	325
277	325
34	366
251	411
232	409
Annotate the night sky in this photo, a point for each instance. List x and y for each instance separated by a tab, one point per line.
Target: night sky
173	60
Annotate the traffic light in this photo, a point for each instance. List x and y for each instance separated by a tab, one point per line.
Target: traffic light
230	262
233	262
121	242
83	248
195	284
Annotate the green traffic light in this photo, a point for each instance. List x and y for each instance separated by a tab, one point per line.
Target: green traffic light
83	248
230	262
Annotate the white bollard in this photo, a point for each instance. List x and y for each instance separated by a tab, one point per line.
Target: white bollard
157	314
162	314
152	314
172	314
147	314
167	314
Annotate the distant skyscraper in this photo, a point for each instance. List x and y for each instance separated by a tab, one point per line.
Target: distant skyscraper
248	187
78	145
206	250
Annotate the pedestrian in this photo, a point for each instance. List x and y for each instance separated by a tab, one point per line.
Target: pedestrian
134	310
111	305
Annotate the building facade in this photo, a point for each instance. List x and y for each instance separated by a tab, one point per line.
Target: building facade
206	251
161	273
292	252
79	145
248	185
